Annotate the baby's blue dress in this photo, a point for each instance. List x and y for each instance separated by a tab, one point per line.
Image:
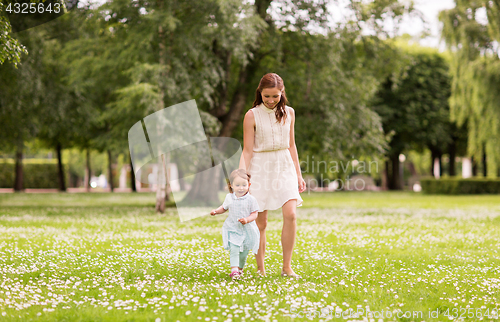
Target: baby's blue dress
246	236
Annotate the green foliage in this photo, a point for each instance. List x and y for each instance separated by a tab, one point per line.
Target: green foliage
101	70
6	175
414	106
329	88
10	48
422	161
22	91
454	186
475	69
36	175
331	79
62	118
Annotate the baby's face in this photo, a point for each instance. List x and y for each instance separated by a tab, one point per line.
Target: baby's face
240	186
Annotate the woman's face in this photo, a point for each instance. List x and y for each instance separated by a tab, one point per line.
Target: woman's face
271	97
240	186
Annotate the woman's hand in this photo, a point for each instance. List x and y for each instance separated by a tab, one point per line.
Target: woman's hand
302	184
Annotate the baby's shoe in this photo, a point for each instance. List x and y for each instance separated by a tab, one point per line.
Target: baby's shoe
235	275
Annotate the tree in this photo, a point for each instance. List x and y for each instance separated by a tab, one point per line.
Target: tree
310	61
475	68
98	58
215	52
22	91
414	108
10	48
333	77
62	117
180	61
36	100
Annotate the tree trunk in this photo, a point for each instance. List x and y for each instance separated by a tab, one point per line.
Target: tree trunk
231	120
199	192
221	93
385	176
182	183
162	190
162	194
440	162
395	180
474	166
452	153
88	172
62	183
411	168
485	167
132	175
18	181
229	124
110	170
168	187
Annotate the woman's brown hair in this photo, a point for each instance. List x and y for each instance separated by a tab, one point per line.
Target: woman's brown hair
237	173
272	80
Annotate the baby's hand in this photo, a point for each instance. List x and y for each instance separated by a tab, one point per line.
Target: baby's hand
243	220
213	212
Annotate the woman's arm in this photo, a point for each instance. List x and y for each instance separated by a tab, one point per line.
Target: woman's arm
295	154
248	219
248	140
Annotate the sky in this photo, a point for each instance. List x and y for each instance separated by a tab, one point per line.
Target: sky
430	10
413	26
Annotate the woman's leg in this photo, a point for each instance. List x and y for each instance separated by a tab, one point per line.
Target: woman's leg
261	222
288	234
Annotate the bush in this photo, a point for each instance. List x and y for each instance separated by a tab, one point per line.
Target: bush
451	186
7	175
35	175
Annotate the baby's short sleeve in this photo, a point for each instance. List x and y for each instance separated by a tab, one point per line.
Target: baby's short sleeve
227	201
254	205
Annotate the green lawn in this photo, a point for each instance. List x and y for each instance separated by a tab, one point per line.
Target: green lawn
311	200
108	257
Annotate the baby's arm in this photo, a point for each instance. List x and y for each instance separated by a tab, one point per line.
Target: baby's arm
248	219
217	211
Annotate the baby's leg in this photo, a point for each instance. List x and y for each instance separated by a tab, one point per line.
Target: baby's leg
234	260
243	259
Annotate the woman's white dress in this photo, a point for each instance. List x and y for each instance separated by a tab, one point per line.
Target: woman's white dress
273	176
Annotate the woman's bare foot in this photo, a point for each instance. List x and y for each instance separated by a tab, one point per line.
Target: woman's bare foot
261	273
289	272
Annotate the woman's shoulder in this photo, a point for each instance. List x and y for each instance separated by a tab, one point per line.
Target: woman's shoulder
250	112
291	112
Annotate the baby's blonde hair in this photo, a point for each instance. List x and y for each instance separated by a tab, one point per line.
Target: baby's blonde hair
237	173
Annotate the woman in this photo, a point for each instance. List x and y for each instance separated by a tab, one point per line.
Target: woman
270	156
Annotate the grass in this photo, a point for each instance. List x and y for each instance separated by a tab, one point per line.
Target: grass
311	200
103	257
